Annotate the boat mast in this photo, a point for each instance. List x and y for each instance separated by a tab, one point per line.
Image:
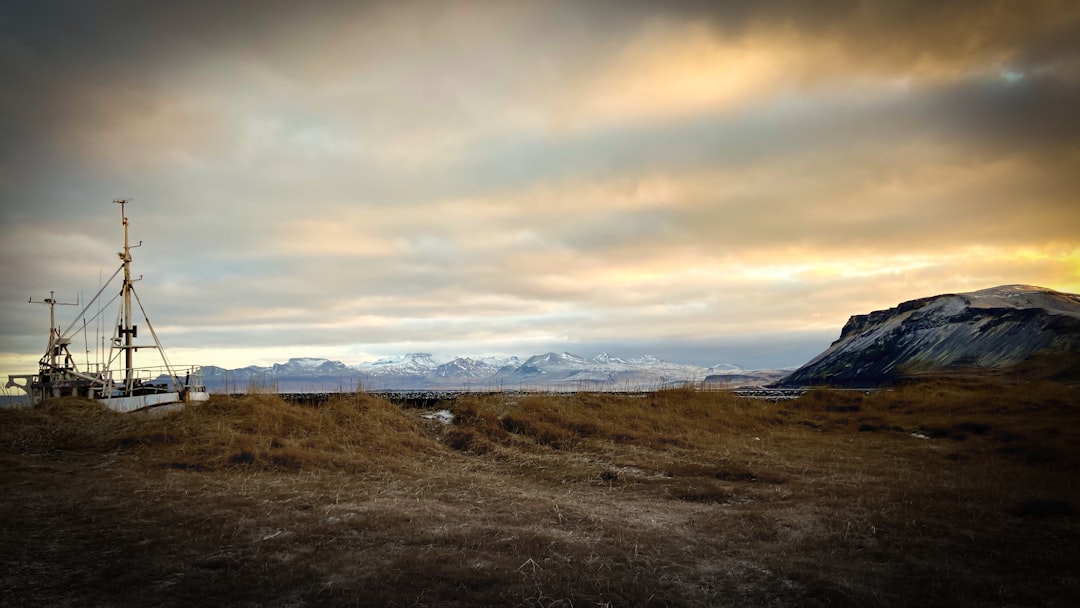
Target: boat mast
127	330
51	349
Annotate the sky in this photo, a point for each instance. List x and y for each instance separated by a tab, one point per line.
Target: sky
707	182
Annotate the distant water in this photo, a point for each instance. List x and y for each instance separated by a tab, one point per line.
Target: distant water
13	400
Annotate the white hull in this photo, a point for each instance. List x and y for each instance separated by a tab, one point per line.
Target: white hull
143	402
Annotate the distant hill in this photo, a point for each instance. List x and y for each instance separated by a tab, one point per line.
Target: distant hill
417	371
991	330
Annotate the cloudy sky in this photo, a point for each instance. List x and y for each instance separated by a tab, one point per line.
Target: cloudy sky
703	181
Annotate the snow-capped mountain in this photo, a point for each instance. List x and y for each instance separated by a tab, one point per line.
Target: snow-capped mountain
303	366
547	371
295	375
412	364
466	367
308	366
988	329
726	368
734	375
551	363
604	358
603	371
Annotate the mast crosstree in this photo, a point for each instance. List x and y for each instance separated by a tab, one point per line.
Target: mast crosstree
53	348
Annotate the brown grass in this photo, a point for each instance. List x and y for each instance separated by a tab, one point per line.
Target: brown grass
677	498
354	433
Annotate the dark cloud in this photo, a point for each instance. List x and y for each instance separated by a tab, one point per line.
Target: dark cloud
62	60
68	62
893	34
1032	115
965	124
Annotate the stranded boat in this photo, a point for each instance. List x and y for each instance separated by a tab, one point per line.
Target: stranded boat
113	380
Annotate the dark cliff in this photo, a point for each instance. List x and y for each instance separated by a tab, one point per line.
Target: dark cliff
988	329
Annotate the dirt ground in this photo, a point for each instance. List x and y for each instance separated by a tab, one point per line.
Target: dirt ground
836	500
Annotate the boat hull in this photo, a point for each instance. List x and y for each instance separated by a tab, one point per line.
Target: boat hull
139	402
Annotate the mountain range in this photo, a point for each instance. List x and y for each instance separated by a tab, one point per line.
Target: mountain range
992	330
419	371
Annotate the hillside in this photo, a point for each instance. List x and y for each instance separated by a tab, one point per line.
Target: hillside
991	329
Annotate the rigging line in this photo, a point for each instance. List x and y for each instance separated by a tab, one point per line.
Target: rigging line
161	351
91	302
86	342
99	343
96	315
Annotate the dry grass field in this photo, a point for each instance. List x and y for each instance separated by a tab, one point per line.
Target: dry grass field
961	493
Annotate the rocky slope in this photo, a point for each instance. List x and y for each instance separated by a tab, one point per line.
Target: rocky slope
989	329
